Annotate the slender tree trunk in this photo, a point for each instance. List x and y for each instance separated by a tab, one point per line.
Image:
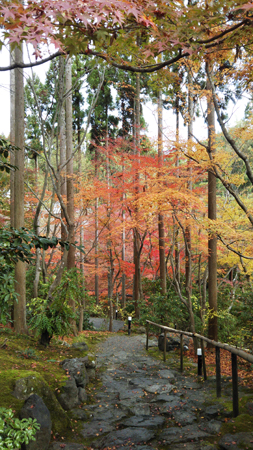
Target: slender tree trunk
177	246
62	141
12	136
188	274
137	280
20	271
70	171
96	253
212	240
70	182
123	278
160	216
81	257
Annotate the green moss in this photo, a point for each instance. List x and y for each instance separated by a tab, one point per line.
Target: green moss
32	382
242	423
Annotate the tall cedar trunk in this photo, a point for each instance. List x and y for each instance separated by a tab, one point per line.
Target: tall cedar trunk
96	252
212	240
20	272
188	275
177	247
12	136
37	231
160	216
81	258
137	279
12	154
70	183
62	139
69	155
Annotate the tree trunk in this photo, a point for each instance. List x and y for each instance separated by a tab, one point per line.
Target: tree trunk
70	183
137	280
177	245
212	240
123	278
12	136
70	172
20	271
62	139
160	216
188	274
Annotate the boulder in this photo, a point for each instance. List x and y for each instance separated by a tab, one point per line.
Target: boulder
35	384
171	343
81	346
76	369
35	408
68	397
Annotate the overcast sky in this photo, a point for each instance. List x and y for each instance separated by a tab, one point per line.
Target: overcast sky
149	110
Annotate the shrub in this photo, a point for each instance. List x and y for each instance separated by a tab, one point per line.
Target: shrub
14	432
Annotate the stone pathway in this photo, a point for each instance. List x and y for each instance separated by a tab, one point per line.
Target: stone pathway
143	405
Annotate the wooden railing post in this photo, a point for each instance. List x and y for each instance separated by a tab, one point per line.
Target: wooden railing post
203	359
164	348
235	385
147	331
181	353
218	372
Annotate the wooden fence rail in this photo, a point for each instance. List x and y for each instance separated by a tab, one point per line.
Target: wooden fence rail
218	345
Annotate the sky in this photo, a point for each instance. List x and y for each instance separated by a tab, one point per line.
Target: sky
149	109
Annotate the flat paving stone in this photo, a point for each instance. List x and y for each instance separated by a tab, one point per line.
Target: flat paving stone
96	428
144	421
236	441
189	433
127	435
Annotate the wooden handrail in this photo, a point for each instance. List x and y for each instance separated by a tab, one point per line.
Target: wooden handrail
237	351
233	350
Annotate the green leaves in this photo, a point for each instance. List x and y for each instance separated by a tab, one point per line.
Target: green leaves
17	245
14	432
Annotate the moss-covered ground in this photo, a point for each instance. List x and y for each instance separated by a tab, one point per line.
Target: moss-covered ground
22	356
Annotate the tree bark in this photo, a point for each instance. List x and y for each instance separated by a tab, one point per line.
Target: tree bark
160	216
70	172
212	240
70	183
20	271
137	280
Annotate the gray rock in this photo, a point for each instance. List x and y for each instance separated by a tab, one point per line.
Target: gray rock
80	346
68	397
141	409
236	441
82	396
168	374
66	446
144	421
35	408
134	393
96	428
212	426
32	384
184	417
79	414
213	411
171	343
160	388
76	369
185	434
122	437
